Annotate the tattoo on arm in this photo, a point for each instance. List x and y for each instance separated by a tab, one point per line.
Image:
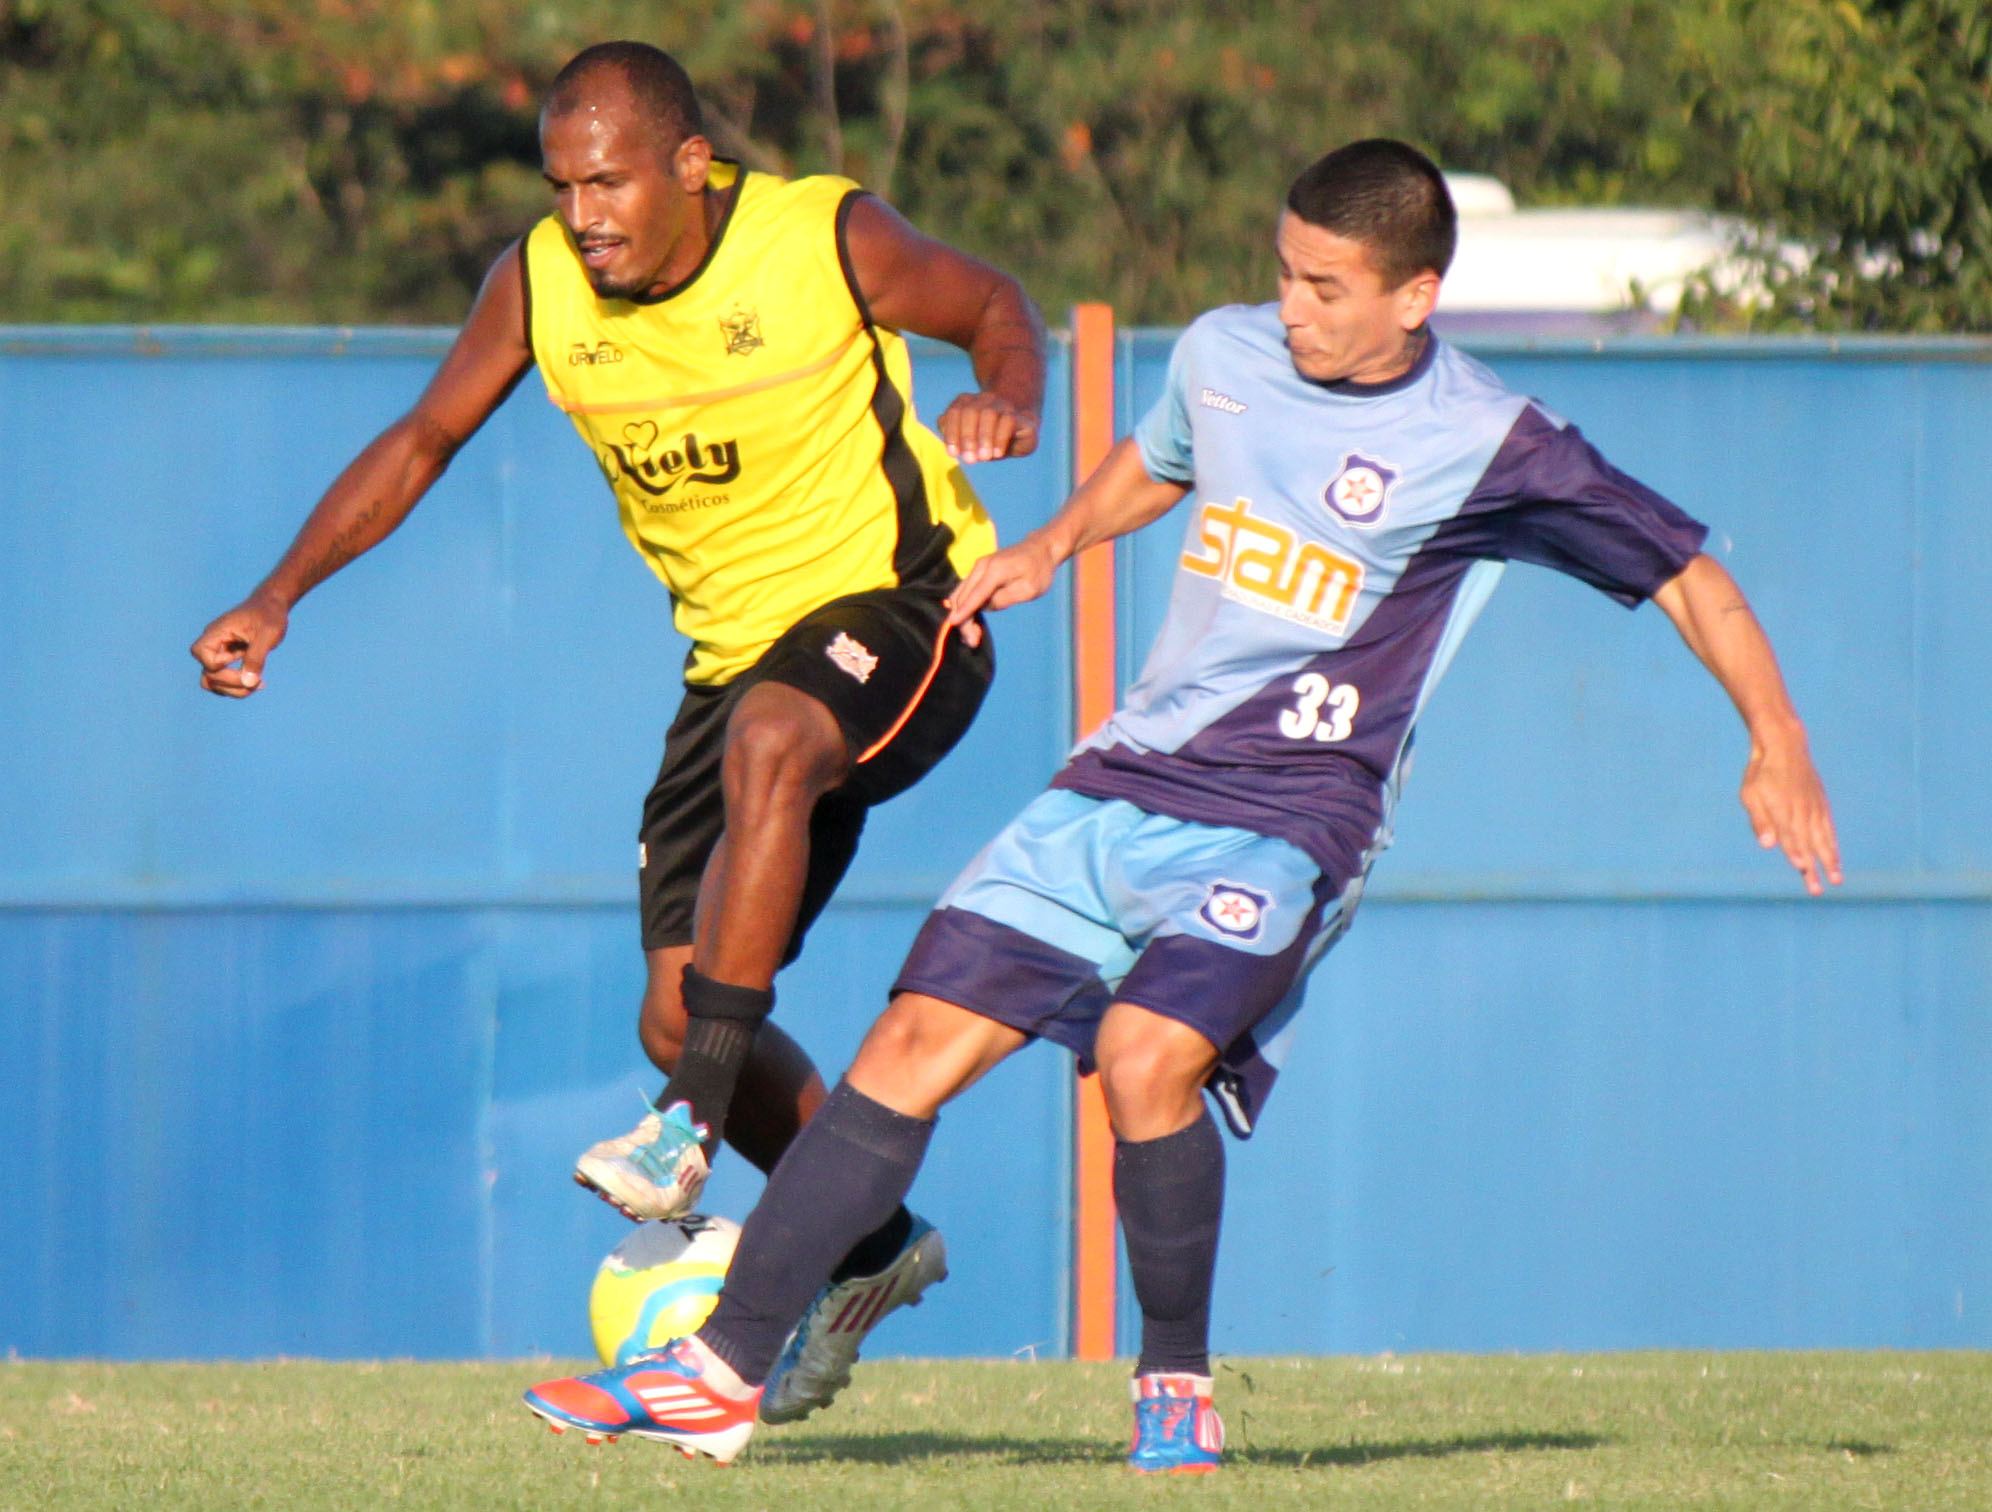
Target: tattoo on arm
351	541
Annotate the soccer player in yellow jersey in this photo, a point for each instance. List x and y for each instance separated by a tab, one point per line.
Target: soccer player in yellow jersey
727	343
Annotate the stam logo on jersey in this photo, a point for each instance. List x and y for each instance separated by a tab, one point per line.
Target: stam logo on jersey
1267	567
1359	492
1237	913
658	470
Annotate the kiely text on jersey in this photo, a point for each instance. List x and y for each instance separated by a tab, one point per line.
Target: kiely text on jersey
658	469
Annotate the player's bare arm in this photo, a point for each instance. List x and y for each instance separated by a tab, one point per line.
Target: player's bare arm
382	484
1782	792
911	282
1117	497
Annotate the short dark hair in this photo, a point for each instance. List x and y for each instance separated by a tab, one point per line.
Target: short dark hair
661	90
1386	195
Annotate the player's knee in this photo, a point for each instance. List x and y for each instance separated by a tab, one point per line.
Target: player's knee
1147	1085
779	758
897	1040
916	1058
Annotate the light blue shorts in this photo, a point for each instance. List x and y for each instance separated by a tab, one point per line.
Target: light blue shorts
1081	902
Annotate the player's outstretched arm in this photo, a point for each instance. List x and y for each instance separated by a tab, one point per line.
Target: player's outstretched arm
1782	792
381	485
911	282
1117	497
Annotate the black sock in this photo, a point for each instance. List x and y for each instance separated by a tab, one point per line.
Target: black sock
1170	1192
720	1023
878	1249
847	1171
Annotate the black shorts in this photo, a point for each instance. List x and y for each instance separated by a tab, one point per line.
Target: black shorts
902	699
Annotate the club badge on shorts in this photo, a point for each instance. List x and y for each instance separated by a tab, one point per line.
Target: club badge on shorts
851	657
1237	913
1359	492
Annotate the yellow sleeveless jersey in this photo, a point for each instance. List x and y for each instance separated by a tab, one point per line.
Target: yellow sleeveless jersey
756	426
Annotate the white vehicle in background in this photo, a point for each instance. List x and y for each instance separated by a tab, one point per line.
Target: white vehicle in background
1574	271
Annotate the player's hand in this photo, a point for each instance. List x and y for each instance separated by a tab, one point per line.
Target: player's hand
231	651
983	427
1787	806
1015	575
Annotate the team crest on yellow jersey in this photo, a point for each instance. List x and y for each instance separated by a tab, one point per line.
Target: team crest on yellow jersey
742	330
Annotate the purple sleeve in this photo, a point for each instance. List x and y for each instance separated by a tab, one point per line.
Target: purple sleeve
1551	499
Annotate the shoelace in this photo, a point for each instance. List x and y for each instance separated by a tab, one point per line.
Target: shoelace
647	1157
1165	1421
670	1358
673	1359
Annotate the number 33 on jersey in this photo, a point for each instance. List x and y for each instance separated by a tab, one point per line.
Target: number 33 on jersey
1326	711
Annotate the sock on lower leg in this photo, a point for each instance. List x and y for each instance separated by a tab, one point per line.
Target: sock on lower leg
1170	1192
720	1023
878	1249
842	1179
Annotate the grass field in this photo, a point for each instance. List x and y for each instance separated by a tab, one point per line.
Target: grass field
1812	1431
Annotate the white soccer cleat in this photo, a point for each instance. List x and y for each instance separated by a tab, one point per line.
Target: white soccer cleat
655	1171
816	1362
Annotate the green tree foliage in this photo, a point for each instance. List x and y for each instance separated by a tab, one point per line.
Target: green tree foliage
1138	150
363	160
1862	134
308	160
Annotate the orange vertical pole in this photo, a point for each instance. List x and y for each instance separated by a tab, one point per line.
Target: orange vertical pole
1093	1254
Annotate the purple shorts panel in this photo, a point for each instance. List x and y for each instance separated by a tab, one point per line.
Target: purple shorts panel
1014	978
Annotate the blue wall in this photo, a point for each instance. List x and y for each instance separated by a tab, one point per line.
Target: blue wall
307	1003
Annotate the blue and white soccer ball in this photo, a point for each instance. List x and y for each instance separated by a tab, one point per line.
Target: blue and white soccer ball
659	1284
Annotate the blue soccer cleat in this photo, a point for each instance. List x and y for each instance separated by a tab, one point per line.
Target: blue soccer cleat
675	1395
1176	1429
655	1171
816	1362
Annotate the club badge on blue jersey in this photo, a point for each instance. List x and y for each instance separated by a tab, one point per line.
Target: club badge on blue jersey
1238	913
1359	492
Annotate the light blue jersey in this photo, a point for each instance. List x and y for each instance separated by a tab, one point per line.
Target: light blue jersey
1341	539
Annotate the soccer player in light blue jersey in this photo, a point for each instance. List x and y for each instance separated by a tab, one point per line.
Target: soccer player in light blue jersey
1356	487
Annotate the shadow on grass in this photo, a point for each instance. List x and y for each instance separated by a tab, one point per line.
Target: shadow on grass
900	1448
1440	1448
